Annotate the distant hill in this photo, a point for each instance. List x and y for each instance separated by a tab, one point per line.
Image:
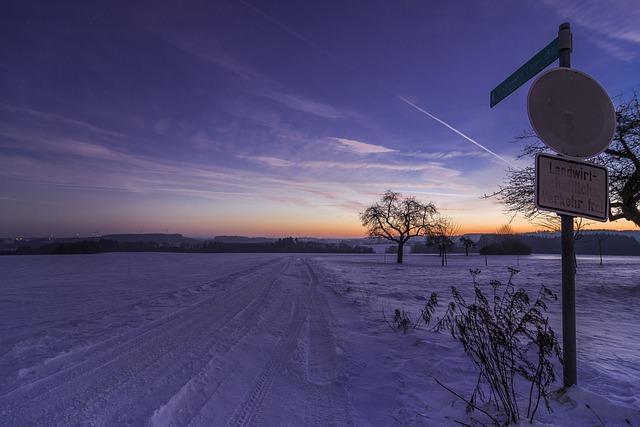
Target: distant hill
157	238
177	243
590	243
631	233
243	239
610	241
617	243
548	234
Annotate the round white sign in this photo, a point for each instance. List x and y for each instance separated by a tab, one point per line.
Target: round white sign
571	113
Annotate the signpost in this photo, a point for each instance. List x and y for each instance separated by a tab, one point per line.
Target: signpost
533	66
570	115
570	187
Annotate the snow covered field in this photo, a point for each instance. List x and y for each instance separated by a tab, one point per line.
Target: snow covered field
244	339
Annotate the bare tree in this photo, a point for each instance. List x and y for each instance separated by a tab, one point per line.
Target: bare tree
600	238
504	242
397	218
622	160
467	242
517	196
441	236
505	230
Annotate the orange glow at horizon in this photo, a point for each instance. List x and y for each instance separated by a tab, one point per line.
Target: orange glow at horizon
339	230
280	222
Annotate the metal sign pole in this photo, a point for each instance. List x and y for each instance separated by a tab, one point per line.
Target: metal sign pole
570	375
551	101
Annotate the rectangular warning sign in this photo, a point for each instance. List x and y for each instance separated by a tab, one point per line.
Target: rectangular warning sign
572	187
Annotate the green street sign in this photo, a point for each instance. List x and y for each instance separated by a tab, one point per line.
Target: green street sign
536	64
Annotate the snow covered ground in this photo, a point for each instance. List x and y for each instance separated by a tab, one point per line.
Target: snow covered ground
245	339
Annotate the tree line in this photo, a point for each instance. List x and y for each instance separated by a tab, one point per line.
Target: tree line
600	243
284	245
398	219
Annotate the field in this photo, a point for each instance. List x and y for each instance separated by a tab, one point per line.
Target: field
243	339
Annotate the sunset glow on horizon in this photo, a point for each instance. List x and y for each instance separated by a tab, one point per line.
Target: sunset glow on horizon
275	119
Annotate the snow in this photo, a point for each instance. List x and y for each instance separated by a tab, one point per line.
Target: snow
164	339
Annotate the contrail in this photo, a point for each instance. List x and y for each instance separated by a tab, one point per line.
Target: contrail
350	67
471	140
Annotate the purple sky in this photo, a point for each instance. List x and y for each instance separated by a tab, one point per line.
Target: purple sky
273	118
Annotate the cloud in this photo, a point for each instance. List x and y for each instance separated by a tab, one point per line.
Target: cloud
300	103
56	118
310	170
124	173
209	50
615	49
363	147
42	158
271	161
83	149
445	155
614	20
263	85
341	165
62	149
617	19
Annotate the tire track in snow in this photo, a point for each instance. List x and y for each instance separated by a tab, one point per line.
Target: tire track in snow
249	412
324	400
226	333
105	387
329	405
321	365
187	404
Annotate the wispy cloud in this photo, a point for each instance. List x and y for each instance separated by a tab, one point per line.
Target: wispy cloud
124	173
63	149
56	118
609	22
209	50
25	200
261	84
445	155
341	165
362	147
310	174
615	49
300	103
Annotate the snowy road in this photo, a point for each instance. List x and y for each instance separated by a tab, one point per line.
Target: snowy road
161	339
197	365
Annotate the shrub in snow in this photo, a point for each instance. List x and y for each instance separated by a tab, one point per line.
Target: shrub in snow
507	337
428	310
402	319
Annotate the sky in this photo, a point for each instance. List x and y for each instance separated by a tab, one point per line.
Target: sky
262	118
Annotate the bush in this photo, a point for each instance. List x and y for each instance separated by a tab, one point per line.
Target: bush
402	319
503	245
506	337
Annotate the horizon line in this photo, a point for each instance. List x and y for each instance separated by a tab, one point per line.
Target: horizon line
77	236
